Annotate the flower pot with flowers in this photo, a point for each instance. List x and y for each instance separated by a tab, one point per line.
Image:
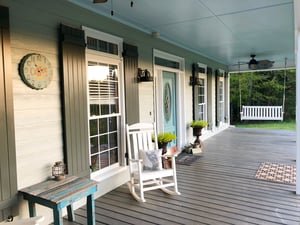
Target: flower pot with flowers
163	140
197	126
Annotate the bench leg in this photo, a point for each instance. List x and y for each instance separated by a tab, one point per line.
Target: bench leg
90	210
32	210
57	217
70	211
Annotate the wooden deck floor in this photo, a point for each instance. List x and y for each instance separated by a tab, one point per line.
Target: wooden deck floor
220	188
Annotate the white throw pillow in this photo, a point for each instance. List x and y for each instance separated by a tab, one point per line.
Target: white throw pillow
151	159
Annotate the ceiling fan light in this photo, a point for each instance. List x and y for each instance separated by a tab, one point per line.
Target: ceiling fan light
100	1
253	66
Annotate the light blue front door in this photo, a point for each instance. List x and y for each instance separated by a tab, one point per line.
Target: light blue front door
169	103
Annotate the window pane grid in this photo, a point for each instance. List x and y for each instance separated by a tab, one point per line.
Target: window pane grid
102	46
221	101
201	110
201	99
104	115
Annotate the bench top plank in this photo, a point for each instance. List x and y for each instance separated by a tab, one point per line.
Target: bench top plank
59	191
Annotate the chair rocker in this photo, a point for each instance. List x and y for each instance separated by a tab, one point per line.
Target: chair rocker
145	162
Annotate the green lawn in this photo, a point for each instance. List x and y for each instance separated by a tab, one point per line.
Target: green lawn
275	125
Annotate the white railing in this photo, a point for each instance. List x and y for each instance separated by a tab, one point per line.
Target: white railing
262	113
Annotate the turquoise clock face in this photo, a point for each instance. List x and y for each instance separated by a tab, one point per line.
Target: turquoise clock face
36	71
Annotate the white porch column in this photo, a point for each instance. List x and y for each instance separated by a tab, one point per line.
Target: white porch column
298	113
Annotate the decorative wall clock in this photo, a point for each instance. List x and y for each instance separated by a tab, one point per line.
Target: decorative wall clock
36	71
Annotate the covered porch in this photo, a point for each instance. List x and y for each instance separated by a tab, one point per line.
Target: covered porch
219	188
179	43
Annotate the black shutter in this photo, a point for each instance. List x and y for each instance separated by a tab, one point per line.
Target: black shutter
74	91
216	97
8	173
130	55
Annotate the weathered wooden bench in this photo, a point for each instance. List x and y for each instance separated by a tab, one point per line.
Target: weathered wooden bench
60	194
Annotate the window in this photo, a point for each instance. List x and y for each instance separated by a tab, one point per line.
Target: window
105	104
201	99
104	113
221	105
102	46
200	93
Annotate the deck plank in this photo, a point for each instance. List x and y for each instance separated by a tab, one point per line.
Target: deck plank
220	188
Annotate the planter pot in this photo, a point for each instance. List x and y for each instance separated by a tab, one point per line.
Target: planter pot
166	163
197	132
163	146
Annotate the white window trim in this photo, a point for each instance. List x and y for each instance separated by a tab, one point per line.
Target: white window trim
113	59
90	32
203	76
222	78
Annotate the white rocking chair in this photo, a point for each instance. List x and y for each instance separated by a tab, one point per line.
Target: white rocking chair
146	172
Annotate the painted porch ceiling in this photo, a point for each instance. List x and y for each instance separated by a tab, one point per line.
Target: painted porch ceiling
224	30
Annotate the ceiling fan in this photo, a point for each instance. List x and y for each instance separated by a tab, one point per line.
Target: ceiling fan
254	64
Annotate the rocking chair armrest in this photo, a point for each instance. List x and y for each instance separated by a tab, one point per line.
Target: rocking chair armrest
175	154
135	160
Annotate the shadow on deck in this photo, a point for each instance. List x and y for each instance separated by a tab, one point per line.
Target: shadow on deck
220	188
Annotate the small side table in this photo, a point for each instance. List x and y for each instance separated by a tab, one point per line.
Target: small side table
60	194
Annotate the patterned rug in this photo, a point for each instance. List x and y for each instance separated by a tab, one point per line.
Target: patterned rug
186	159
276	172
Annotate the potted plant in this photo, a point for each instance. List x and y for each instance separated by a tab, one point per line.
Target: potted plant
197	126
198	123
163	140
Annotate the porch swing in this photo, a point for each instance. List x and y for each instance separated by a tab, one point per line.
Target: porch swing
264	112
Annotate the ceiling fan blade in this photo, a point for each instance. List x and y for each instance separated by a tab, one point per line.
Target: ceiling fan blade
264	64
239	64
99	1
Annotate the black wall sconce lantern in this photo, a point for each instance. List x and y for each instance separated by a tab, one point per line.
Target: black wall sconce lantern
144	75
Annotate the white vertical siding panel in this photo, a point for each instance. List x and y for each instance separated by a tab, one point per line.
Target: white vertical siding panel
146	101
37	112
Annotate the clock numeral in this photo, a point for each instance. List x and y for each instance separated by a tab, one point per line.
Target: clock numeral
28	63
32	71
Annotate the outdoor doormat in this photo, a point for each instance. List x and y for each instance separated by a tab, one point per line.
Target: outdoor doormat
276	172
186	159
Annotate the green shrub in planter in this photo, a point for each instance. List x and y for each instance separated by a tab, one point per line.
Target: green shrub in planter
198	123
166	137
